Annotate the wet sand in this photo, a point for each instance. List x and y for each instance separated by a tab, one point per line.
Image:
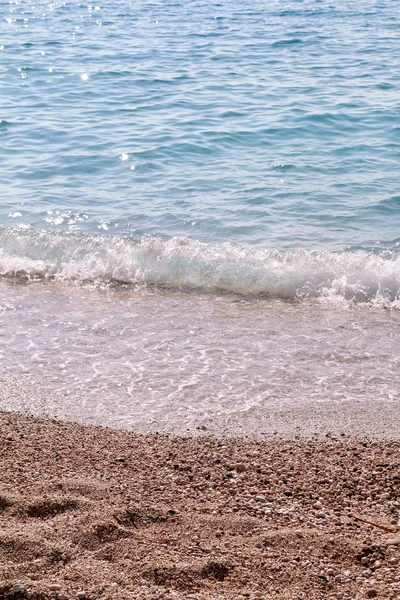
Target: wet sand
100	513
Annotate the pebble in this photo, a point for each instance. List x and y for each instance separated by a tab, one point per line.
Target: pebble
81	595
299	533
19	588
55	587
371	593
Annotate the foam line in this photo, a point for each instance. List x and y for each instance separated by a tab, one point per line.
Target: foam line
360	276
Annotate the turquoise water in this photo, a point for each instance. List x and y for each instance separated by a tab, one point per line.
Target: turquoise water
203	200
274	124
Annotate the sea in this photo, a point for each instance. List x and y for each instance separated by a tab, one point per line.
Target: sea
199	210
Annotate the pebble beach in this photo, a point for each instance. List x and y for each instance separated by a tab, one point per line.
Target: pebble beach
96	513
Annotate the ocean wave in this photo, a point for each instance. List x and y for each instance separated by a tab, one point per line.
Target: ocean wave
356	276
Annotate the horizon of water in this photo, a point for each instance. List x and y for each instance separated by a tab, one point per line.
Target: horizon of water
211	191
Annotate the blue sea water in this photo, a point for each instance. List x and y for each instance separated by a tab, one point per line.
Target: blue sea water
275	124
241	148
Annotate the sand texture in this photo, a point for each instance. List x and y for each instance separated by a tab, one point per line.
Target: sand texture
97	513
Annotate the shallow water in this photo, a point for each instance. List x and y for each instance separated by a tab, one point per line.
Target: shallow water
167	360
200	213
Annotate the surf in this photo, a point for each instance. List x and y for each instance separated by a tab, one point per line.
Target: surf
355	275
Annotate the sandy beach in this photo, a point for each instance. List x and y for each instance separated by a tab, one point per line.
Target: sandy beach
89	512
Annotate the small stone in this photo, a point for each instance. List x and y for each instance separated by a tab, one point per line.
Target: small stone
55	587
240	467
63	597
299	533
19	588
393	541
81	595
371	593
317	504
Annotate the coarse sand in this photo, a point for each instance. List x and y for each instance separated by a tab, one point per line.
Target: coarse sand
89	512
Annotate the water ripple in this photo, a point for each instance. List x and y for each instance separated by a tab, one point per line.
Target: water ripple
260	123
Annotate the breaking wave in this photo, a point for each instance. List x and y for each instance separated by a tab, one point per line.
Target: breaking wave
357	275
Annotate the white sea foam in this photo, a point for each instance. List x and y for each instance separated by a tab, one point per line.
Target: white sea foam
359	276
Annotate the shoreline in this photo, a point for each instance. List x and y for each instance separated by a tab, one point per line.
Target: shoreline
119	515
345	419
